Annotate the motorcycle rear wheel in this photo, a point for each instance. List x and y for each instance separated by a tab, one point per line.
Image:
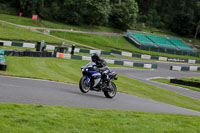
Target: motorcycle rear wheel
83	86
112	91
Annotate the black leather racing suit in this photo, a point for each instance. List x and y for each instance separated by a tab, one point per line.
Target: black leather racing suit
102	68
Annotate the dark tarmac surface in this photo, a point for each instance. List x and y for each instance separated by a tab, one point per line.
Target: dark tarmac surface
31	91
146	75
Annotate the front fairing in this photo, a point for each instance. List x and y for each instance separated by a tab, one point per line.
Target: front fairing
91	74
89	68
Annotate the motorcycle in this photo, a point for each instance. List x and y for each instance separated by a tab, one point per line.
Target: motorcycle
96	81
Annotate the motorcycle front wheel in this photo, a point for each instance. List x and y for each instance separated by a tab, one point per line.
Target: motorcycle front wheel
83	86
111	92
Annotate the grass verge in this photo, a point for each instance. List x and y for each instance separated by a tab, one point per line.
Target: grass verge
110	42
167	81
12	32
69	71
17	118
42	23
193	79
97	41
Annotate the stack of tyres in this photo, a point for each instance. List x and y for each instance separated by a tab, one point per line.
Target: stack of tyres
28	53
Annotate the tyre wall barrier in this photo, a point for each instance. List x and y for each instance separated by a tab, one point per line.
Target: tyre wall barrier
28	53
153	57
51	47
185	68
109	61
187	83
3	66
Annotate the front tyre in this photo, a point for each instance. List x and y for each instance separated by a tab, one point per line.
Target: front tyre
111	92
83	86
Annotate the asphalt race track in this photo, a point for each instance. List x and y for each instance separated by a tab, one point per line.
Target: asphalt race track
146	75
31	91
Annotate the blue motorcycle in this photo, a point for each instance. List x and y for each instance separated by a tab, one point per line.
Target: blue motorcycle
97	81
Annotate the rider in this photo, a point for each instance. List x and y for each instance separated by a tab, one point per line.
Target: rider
101	65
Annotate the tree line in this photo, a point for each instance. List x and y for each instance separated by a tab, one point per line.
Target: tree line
179	16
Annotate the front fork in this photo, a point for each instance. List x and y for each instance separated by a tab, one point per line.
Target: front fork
87	80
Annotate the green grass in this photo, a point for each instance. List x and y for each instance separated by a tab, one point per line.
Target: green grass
167	81
69	71
16	33
193	79
108	43
48	24
97	41
17	118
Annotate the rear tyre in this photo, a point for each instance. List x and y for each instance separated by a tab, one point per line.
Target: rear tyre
83	86
111	92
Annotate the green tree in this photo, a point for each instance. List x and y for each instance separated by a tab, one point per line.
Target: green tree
198	19
96	12
124	14
183	21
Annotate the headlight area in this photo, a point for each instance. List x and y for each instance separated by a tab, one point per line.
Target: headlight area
84	70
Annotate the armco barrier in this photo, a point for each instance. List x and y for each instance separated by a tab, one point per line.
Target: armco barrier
50	47
185	68
183	82
109	61
153	57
